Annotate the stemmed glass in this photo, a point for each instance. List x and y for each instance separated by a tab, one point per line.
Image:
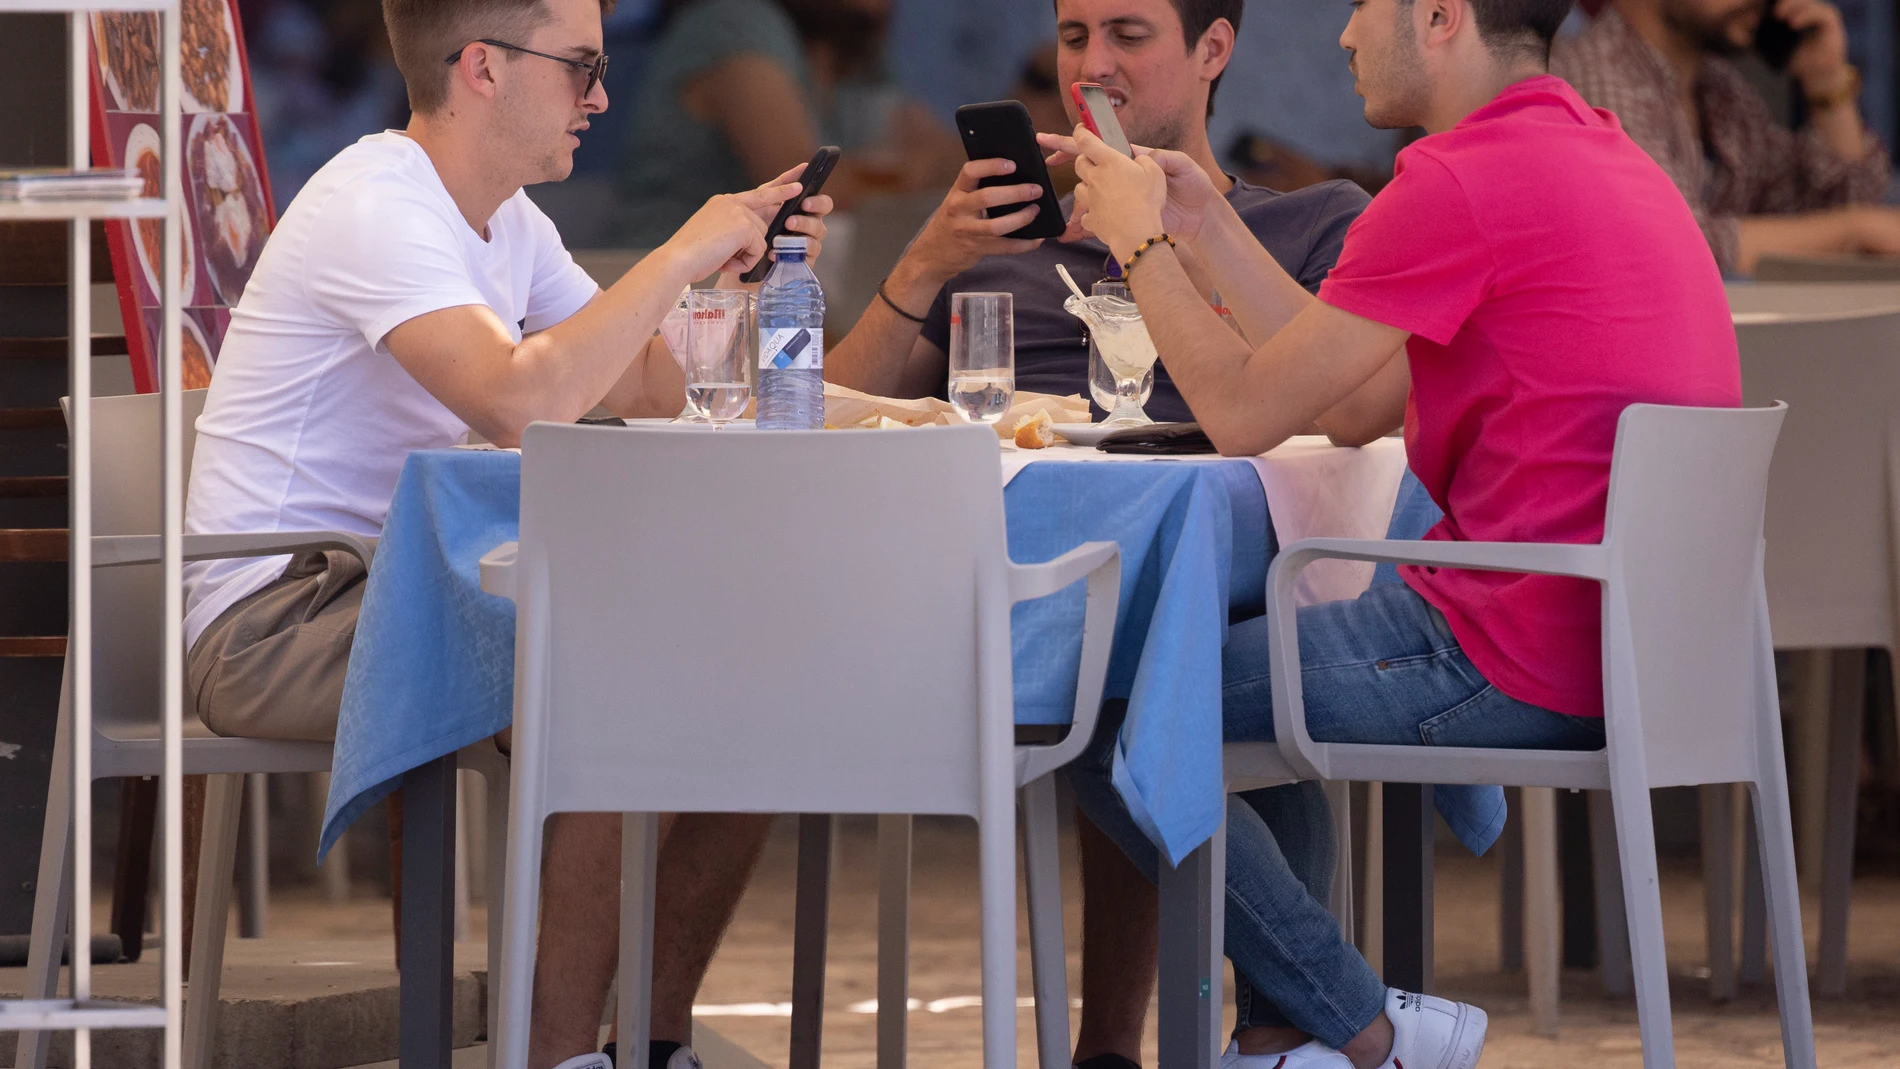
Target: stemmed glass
720	344
1101	379
675	330
982	355
1117	330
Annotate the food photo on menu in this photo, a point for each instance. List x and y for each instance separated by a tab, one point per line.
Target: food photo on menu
228	211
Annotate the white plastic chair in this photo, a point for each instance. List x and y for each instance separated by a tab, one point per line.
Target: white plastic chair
1833	562
817	623
1689	688
126	686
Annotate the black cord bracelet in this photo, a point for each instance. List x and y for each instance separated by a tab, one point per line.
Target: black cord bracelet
886	298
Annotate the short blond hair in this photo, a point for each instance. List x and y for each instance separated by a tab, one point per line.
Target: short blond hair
424	33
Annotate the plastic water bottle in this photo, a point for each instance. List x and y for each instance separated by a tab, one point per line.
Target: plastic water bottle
791	343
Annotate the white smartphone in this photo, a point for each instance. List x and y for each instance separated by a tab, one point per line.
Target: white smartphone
1098	114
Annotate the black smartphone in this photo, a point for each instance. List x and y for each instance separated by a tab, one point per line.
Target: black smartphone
1001	129
1775	39
812	181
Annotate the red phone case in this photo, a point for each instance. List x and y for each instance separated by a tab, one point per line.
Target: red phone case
1082	108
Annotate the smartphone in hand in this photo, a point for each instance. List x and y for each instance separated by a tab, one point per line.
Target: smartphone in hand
1001	129
1775	39
1098	114
810	183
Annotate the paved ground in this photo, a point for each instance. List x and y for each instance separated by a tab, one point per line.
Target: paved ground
326	970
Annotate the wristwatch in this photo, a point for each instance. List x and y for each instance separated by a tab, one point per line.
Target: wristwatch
1849	89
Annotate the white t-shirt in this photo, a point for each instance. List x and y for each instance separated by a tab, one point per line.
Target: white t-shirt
309	417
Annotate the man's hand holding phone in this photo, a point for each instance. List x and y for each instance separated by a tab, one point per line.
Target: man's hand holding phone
960	233
1121	198
1191	195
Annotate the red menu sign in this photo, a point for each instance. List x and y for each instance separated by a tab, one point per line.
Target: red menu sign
228	208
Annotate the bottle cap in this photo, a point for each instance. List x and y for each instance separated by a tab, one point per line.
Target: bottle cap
795	243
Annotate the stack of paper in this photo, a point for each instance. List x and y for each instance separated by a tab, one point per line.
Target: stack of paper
54	184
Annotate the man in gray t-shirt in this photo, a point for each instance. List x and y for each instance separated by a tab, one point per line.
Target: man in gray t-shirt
1161	75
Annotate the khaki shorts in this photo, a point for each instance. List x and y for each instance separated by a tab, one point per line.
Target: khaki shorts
272	666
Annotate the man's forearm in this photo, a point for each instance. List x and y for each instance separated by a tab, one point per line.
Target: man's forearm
653	386
1253	285
873	357
1811	233
1204	359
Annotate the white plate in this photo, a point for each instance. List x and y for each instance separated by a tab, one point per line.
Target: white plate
1083	433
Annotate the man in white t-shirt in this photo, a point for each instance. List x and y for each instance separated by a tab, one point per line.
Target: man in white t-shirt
413	293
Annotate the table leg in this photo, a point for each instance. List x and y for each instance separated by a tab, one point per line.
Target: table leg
811	914
1409	832
1193	911
428	949
893	938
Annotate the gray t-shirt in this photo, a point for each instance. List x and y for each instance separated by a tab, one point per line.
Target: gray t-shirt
1304	231
674	161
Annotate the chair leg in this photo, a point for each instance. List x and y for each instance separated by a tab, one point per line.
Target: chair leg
1613	929
1642	900
1042	874
254	877
893	939
458	896
1542	929
1339	795
515	990
52	895
1718	885
497	792
996	859
217	858
1372	931
1846	706
1774	826
639	867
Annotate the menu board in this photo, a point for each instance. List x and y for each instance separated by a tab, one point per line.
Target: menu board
228	207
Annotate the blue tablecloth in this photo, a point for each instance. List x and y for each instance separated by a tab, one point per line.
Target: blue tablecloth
432	668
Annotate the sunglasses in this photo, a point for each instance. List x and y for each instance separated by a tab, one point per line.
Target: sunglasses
594	70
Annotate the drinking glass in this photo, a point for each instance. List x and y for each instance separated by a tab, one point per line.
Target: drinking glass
674	331
1117	330
720	345
1102	380
982	355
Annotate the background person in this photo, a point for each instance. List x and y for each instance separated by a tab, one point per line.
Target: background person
410	294
738	90
1527	275
1757	188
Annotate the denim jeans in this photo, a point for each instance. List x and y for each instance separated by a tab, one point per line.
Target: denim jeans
1383	668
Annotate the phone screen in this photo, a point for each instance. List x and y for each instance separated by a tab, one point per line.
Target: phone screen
1775	39
1099	112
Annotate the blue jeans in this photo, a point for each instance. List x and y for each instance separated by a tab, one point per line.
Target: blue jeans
1383	668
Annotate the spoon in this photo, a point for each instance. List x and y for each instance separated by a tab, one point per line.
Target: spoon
1063	270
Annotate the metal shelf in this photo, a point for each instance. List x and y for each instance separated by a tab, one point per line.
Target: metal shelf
64	1013
140	208
8	7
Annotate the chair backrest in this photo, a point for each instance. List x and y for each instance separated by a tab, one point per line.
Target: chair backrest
745	620
127	606
1683	624
1834	496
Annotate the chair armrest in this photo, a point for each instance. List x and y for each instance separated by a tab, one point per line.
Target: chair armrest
110	551
1590	561
498	570
1101	563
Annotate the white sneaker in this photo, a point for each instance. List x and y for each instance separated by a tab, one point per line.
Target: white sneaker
1311	1055
683	1058
1433	1033
595	1060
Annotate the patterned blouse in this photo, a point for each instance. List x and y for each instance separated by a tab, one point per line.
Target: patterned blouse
1741	163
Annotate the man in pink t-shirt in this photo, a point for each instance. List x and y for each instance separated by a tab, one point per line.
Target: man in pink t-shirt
1529	273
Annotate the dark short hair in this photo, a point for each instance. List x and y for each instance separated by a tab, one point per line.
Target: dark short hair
1196	16
1526	25
422	34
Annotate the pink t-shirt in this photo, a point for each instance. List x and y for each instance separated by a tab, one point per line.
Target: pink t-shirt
1550	275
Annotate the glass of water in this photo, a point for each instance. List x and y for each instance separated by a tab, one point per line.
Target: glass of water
982	355
721	341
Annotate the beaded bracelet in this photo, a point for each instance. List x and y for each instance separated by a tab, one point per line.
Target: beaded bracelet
1128	265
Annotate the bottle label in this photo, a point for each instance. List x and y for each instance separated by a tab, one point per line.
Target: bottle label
785	348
